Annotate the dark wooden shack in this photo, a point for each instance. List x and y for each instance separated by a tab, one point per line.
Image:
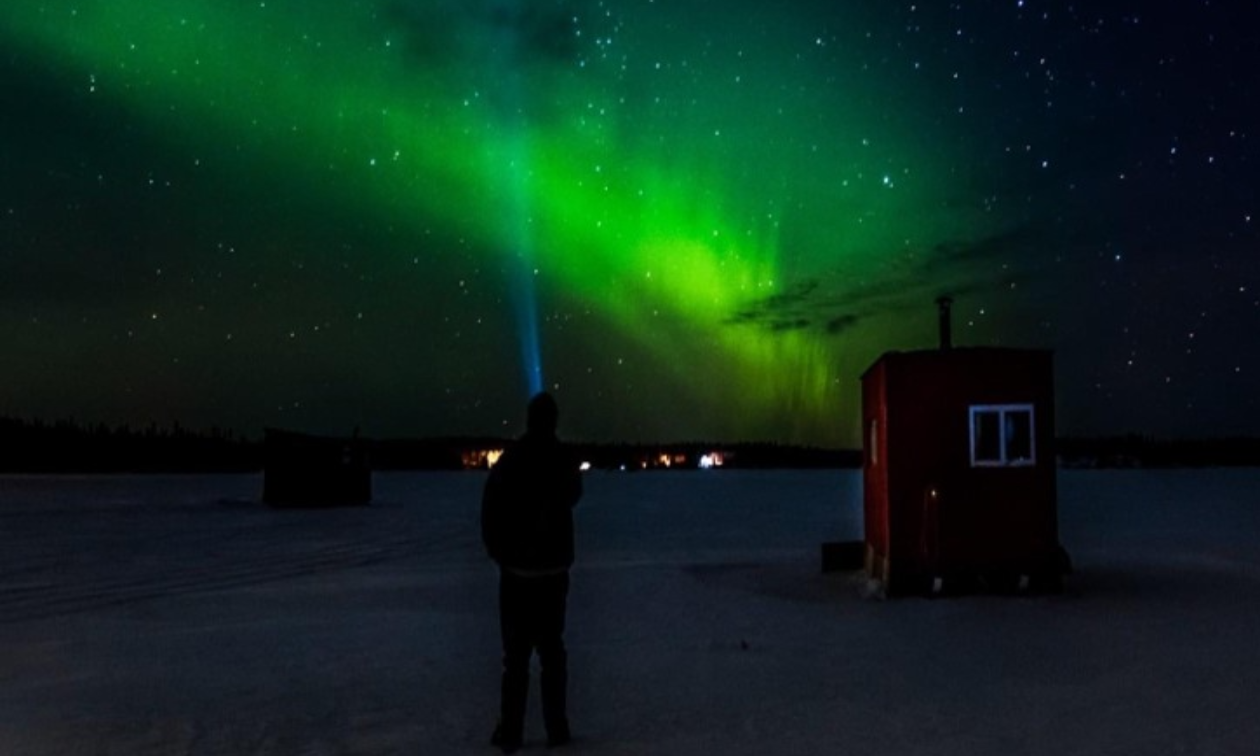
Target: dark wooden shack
301	470
959	470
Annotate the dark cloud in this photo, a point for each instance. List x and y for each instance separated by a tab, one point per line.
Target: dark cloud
842	323
798	294
796	324
780	312
1005	246
954	267
797	309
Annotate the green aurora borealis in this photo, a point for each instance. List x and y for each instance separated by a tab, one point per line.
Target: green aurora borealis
332	214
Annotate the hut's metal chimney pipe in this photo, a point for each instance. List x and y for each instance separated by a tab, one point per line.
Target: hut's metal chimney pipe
947	338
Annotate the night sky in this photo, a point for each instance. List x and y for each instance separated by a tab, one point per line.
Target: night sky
687	219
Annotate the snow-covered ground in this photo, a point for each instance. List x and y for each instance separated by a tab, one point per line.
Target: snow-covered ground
176	615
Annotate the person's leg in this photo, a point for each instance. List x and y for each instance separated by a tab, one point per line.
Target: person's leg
552	598
514	622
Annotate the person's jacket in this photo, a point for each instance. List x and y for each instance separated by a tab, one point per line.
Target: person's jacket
527	506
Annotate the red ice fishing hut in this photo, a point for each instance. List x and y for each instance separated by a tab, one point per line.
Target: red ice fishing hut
959	469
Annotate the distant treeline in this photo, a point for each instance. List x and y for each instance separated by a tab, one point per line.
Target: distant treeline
69	447
745	456
1147	451
464	453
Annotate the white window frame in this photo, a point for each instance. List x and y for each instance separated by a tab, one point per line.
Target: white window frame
1002	410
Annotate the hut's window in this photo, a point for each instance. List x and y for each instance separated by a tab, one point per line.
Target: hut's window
1002	435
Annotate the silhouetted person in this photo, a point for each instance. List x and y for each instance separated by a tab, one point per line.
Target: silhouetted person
527	527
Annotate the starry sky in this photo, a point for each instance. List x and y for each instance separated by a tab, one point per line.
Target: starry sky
687	220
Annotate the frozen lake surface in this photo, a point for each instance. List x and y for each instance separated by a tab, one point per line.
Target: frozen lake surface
176	615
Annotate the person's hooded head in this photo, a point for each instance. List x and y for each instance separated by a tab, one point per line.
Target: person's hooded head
541	415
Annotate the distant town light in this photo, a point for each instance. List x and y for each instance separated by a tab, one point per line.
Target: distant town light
709	461
481	459
585	466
